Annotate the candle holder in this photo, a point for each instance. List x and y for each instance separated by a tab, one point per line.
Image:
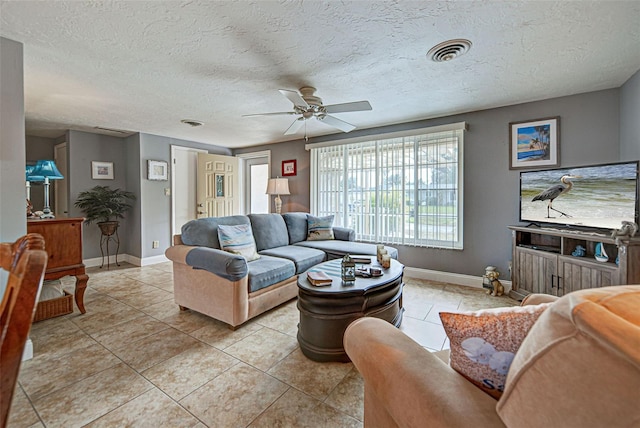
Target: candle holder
348	270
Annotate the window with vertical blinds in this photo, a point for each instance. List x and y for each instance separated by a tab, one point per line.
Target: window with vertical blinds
404	189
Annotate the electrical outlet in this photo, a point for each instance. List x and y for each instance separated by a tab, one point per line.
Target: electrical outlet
155	244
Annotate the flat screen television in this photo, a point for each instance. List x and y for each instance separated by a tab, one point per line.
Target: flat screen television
599	196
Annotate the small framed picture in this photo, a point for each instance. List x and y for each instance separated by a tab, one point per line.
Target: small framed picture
102	170
534	143
289	168
157	170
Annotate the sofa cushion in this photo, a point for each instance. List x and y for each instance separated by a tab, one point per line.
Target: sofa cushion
319	228
238	240
269	270
336	249
269	231
483	343
302	257
203	232
580	364
296	226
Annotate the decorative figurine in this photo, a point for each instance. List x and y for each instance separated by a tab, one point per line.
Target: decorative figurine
601	255
580	251
490	281
348	270
628	229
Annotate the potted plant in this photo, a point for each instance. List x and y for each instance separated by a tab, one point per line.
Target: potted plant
105	206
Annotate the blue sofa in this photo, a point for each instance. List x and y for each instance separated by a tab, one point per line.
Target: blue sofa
226	287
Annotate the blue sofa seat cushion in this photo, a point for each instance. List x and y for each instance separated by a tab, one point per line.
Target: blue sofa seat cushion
268	270
302	257
203	232
269	231
337	249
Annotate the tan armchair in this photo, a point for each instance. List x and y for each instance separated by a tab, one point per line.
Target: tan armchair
578	366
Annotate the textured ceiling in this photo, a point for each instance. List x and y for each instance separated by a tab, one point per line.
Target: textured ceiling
142	66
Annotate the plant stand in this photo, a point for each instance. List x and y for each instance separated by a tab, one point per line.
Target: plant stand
109	235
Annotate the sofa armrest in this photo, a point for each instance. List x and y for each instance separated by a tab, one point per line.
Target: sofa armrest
344	234
226	265
536	299
407	386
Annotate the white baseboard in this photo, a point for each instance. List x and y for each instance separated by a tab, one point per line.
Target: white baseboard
27	354
148	260
136	261
451	278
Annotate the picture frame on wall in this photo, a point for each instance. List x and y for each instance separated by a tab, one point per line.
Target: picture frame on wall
289	168
157	170
534	143
101	170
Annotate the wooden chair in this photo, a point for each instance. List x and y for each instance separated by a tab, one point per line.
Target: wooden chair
25	260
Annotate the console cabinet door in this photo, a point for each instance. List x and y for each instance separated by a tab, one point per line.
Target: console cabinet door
536	271
578	275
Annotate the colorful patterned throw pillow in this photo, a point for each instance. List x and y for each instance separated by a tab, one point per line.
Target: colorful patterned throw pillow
483	343
320	228
238	240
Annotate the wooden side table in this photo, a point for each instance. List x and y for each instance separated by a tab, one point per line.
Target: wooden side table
63	244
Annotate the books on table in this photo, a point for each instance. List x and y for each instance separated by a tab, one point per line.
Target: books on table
319	278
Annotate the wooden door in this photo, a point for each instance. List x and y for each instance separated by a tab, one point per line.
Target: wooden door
536	271
579	274
217	186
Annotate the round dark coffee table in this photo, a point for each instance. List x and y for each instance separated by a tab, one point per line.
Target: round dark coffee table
326	311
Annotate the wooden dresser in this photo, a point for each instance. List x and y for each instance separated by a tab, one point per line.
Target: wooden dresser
63	244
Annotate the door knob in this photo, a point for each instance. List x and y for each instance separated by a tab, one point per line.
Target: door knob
201	212
201	205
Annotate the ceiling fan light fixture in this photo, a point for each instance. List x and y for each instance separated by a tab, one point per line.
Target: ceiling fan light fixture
449	50
191	122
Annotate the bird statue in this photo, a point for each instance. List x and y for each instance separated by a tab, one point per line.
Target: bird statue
553	192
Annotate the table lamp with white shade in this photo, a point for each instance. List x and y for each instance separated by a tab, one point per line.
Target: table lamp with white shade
45	170
278	186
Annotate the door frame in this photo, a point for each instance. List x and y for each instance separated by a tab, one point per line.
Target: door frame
244	157
177	170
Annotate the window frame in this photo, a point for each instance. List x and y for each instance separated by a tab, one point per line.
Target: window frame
418	137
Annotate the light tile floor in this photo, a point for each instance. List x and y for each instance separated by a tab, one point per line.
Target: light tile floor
135	360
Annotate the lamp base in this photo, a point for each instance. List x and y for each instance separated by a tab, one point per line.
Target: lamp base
47	215
278	204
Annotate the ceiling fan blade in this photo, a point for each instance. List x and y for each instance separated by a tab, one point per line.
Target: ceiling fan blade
346	107
337	123
295	126
295	98
278	113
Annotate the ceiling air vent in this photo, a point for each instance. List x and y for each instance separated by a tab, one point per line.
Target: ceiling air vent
191	122
451	49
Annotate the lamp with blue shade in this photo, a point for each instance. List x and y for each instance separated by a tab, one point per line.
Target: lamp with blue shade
45	170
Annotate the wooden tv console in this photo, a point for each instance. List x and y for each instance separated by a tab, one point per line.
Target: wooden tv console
542	261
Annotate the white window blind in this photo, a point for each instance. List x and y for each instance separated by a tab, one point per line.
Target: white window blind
403	190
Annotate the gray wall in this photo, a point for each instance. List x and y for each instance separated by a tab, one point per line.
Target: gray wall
589	133
13	219
155	206
298	200
630	118
85	147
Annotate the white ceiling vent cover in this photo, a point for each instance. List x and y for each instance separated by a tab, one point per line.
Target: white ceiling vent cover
451	49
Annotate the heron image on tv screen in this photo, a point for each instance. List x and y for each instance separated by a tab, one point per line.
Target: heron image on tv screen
554	191
594	196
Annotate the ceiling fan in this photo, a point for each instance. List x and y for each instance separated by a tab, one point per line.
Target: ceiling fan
308	106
